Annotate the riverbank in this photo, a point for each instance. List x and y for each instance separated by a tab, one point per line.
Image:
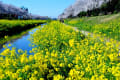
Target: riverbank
16	28
20	41
10	27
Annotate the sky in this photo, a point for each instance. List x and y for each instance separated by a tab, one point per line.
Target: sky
51	8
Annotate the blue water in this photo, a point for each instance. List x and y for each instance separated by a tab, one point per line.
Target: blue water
23	42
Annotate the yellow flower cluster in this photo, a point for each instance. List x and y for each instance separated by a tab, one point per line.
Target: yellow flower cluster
61	53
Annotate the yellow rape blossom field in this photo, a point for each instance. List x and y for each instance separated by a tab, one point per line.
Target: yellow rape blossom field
61	53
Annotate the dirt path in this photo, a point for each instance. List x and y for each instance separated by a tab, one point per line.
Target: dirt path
110	18
86	33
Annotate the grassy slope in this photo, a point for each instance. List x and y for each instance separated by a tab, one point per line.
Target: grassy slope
10	27
107	25
16	28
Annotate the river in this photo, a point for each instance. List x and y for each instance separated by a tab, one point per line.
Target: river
22	42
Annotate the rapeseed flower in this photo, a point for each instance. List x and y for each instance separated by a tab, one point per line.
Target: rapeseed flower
61	53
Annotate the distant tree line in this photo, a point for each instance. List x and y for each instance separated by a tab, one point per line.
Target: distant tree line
14	16
113	6
11	16
8	16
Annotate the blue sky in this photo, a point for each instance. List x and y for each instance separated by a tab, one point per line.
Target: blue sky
51	8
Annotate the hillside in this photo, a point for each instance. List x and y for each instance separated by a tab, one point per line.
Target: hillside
91	8
107	25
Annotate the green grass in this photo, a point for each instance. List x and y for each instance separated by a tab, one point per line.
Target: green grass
107	25
10	27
